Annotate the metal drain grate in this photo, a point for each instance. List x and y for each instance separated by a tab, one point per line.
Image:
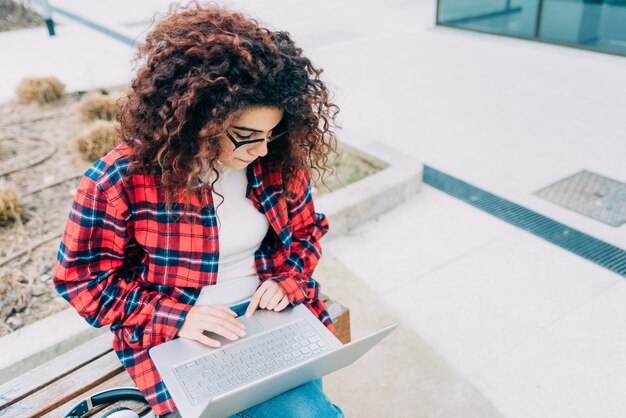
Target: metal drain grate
602	253
590	194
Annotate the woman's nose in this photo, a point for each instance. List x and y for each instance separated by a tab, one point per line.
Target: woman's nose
259	149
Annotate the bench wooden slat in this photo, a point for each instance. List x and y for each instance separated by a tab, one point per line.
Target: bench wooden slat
66	388
44	374
340	315
121	379
341	319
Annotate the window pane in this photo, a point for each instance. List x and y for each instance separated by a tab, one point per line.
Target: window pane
509	17
592	23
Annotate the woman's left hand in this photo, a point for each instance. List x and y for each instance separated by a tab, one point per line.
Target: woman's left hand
268	296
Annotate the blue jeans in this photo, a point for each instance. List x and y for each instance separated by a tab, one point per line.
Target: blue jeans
305	401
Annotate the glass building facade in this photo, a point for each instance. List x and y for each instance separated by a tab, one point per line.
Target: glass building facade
590	24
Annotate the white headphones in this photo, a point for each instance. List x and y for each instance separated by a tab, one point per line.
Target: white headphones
108	397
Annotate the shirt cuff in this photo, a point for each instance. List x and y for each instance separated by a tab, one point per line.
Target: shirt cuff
168	318
291	287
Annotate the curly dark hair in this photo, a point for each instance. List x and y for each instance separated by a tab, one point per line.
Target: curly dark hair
205	65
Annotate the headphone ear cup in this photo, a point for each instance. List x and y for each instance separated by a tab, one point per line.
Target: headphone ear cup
110	396
120	412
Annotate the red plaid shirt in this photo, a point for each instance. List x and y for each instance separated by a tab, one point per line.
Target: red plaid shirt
128	261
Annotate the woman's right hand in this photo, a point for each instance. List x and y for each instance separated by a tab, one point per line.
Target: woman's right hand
218	319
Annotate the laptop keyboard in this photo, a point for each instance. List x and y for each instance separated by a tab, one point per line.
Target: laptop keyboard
233	366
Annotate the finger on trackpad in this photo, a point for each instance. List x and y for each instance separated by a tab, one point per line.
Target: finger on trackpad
253	327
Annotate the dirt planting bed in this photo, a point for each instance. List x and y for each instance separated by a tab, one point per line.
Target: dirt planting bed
37	158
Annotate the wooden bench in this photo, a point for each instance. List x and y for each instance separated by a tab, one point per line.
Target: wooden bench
53	388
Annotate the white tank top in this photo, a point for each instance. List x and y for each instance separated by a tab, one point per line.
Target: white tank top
241	229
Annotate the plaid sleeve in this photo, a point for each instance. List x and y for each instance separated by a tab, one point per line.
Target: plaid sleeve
294	275
90	272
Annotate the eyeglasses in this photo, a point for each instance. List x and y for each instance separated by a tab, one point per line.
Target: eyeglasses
241	143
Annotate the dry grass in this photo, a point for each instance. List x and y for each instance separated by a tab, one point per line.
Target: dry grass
9	205
101	107
3	151
97	139
14	15
348	168
40	90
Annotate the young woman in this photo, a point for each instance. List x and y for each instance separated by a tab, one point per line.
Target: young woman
204	212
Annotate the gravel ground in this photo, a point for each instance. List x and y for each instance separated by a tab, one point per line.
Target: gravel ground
38	151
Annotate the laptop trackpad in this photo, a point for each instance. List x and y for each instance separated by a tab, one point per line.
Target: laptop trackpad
253	327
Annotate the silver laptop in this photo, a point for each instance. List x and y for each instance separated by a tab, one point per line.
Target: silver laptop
281	350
